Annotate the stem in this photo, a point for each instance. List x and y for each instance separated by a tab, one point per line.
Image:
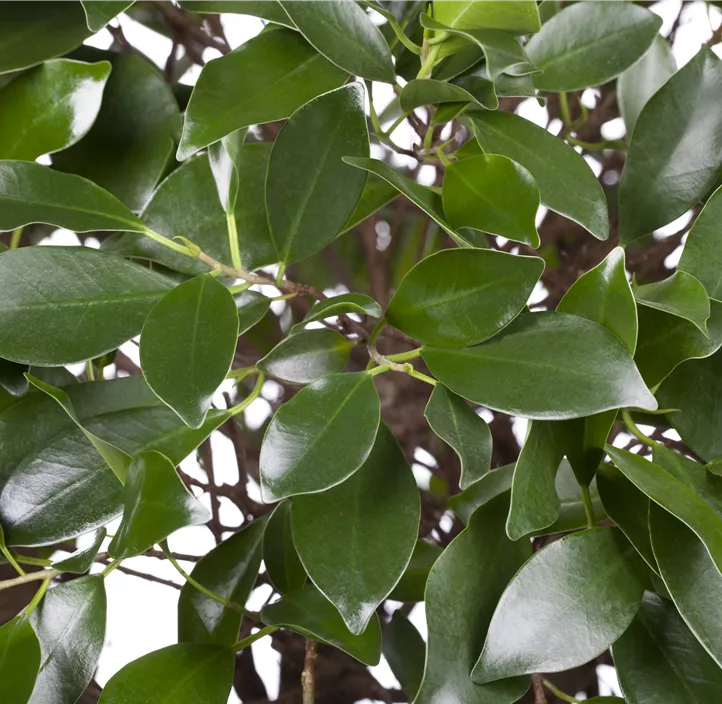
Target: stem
380	369
11	559
27	560
308	679
400	34
180	248
444	159
405	356
598	146
29	577
37	598
428	136
253	638
588	508
418	375
239	288
634	430
559	694
233	240
284	297
279	275
15	238
396	123
564	109
90	373
429	62
255	392
111	566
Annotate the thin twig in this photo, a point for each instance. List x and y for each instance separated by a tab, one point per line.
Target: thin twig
308	680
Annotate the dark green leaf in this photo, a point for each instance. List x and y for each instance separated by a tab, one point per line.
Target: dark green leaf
566	183
310	192
99	12
187	346
589	585
493	194
364	529
270	10
590	43
463	589
412	584
545	366
185	673
45	289
252	306
229	569
50	107
431	92
376	194
70	623
157	504
19	659
520	17
450	417
463	296
405	650
345	303
681	294
12	377
679	131
283	565
81	560
309	613
265	79
298	453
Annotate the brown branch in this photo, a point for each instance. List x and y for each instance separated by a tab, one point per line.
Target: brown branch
307	677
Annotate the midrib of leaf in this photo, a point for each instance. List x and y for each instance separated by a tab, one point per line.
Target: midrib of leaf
75	302
192	346
190	674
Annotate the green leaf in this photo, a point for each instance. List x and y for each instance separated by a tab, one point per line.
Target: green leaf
412	584
31	193
70	624
405	650
590	43
594	572
678	132
340	305
520	16
223	156
493	194
544	366
45	290
376	194
187	346
430	92
99	12
310	192
309	613
229	569
282	562
128	147
332	27
659	659
364	529
157	504
265	79
642	80
12	377
252	306
463	296
681	295
50	107
674	496
19	659
185	673
681	555
31	34
298	454
307	356
455	423
463	589
265	9
566	183
81	560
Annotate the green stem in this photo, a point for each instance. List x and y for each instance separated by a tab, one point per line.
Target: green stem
111	566
381	369
239	288
377	331
15	238
241	373
429	62
634	430
428	136
89	372
281	272
27	560
564	109
242	644
401	35
588	508
285	296
37	598
396	123
11	559
418	375
559	694
405	356
233	240
256	391
166	242
438	38
598	146
444	159
29	577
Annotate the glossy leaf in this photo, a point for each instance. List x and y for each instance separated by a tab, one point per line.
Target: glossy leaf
70	624
590	43
340	305
332	26
365	529
252	306
185	673
453	421
431	92
566	183
309	613
545	366
270	10
520	16
678	132
405	650
157	503
223	156
463	296
412	584
283	565
265	79
310	191
81	560
12	377
493	194
681	295
376	194
44	288
589	584
187	346
19	659
99	12
229	569
463	589
50	107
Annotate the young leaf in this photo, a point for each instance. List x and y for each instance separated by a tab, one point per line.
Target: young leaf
677	133
493	194
187	346
471	575
453	421
460	297
412	584
19	659
566	183
309	613
157	503
70	624
310	191
589	44
520	16
298	455
50	107
365	529
589	584
265	79
229	569
331	27
99	12
345	303
80	302
81	560
544	366
185	673
405	650
284	567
